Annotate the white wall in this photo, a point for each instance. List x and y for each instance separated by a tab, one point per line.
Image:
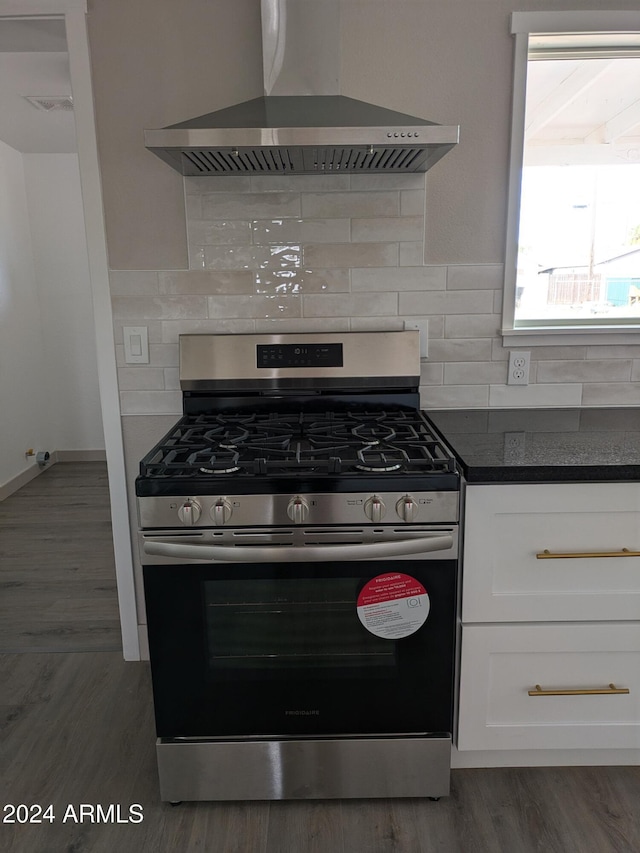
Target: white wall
62	272
48	376
23	411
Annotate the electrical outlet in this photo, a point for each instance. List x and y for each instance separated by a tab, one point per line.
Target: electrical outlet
514	446
518	368
423	327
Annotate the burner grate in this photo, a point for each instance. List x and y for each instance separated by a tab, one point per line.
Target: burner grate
345	443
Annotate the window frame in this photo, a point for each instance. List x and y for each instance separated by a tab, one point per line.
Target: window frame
524	24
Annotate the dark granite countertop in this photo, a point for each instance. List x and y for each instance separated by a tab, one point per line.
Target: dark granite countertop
543	445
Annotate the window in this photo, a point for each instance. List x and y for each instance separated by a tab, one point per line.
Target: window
573	240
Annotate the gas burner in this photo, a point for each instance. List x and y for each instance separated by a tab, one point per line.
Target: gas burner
217	463
226	435
381	461
374	433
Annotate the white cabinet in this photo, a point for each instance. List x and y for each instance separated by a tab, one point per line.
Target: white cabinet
507	527
567	624
509	673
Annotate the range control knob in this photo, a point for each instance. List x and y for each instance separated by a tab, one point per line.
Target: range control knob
407	508
190	512
375	509
298	509
221	512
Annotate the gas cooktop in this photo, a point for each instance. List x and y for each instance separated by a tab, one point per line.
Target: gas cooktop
266	447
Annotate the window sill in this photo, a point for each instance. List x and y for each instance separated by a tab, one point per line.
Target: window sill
573	336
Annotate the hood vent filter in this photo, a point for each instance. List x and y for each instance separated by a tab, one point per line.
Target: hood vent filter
275	160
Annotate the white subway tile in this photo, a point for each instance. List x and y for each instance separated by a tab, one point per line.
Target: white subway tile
276	230
299	183
401	279
133	282
151	402
159	308
382	229
351	255
351	305
258	306
475	373
412	203
435	323
584	371
412	254
611	394
475	277
216	183
373	181
140	379
220	232
454	396
471	326
252	257
163	355
171	379
529	396
340	204
601	352
207	282
560	353
304	324
377	324
250	205
447	302
172	329
431	373
301	281
468	349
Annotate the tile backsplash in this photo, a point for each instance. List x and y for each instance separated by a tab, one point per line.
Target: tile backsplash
333	253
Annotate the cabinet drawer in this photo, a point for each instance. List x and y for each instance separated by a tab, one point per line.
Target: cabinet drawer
507	526
502	663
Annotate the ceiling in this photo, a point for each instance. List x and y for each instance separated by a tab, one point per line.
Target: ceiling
34	61
583	111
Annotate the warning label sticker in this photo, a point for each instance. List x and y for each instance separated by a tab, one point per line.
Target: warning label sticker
393	606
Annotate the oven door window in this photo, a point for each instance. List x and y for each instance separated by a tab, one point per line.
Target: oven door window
282	628
254	651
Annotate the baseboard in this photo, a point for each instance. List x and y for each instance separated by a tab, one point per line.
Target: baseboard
15	483
11	486
544	758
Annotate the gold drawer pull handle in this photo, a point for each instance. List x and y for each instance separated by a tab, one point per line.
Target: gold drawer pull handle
552	555
593	691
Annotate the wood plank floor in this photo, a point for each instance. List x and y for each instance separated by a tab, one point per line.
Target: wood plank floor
76	727
57	571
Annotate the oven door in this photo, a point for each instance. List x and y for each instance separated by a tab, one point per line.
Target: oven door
302	648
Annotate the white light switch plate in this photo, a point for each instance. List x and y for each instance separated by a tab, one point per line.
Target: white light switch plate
136	344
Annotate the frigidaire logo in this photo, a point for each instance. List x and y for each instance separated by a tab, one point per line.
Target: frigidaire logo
296	713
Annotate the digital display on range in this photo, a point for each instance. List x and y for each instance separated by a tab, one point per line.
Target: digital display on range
299	355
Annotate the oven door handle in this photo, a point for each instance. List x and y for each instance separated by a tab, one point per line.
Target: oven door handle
291	553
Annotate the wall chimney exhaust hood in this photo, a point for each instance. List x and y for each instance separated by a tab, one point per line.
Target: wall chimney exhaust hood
301	125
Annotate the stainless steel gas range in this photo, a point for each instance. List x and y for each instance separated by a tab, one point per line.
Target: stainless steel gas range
299	542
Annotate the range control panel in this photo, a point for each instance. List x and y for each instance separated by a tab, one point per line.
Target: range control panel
299	355
393	508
